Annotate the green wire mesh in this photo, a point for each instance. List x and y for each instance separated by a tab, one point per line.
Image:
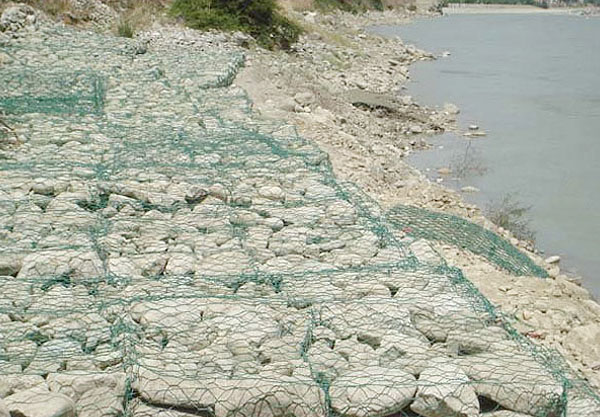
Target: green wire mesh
163	252
453	230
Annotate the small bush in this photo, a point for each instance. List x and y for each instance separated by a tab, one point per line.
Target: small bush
259	18
467	164
352	6
125	29
511	215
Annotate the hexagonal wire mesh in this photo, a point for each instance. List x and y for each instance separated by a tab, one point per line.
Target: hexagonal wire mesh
164	252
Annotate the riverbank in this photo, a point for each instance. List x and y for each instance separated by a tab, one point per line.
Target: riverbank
460	8
465	8
315	88
229	223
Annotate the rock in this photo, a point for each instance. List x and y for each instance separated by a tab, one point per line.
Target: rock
39	402
584	339
406	100
52	356
288	104
416	129
469	189
553	271
444	390
143	410
304	98
3	409
324	360
425	253
248	396
444	171
11	384
514	380
552	259
271	193
373	391
470	342
508	413
342	213
451	108
578	407
400	351
219	191
196	194
76	383
101	402
17	17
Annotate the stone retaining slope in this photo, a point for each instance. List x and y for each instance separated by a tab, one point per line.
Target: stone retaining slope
165	253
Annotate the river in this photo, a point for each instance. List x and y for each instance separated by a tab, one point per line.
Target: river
532	82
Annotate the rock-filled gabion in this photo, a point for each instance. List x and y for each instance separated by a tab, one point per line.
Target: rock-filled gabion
166	253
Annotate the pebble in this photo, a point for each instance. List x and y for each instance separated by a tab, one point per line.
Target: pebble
416	129
469	189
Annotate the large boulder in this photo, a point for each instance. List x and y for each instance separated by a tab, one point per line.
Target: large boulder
4	409
39	402
17	17
373	391
514	380
444	391
286	396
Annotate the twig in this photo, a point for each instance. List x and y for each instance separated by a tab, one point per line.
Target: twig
10	129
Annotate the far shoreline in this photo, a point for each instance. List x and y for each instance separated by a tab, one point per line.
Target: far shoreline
466	8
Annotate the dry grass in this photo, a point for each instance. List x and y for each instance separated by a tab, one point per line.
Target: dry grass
297	5
134	15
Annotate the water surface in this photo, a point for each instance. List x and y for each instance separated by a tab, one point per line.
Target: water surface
533	83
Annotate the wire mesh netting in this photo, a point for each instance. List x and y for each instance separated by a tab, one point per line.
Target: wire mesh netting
453	230
166	253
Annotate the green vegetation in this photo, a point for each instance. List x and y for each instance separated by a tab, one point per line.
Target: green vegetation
353	6
259	18
511	215
125	29
526	2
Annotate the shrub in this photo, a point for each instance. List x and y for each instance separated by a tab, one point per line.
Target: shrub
353	6
125	29
259	18
511	215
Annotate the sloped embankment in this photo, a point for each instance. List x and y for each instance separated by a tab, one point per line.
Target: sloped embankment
165	252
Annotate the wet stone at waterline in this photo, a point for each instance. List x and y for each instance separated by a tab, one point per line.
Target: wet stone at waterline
165	252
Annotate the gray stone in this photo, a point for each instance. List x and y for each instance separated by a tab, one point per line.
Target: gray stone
17	17
342	213
416	129
10	384
324	360
101	402
508	413
578	407
39	402
373	391
250	395
76	383
305	98
53	355
514	380
3	409
444	390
